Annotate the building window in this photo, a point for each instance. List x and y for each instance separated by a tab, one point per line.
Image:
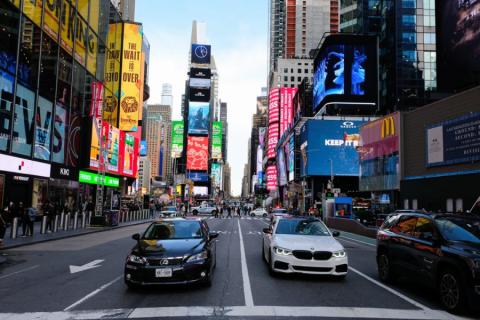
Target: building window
405	204
292	79
449	205
299	70
285	70
299	79
285	78
415	204
306	70
459	205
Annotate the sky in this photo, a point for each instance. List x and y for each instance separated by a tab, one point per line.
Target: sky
238	33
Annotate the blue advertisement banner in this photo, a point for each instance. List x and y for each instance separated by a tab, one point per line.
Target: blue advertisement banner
329	147
198	118
198	176
143	148
454	141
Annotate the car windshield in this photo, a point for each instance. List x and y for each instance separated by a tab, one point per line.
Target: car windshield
279	211
457	229
173	230
170	209
302	227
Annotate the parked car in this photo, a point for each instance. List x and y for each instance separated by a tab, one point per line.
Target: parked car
303	245
259	212
169	211
439	250
172	251
278	212
204	209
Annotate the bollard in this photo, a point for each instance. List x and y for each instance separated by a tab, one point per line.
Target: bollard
55	224
13	234
75	221
84	220
138	215
62	220
43	228
89	221
66	221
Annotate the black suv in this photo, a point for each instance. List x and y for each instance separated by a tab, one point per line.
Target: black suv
441	250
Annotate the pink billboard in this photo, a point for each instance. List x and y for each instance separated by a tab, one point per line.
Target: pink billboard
273	136
380	138
273	106
286	108
271	178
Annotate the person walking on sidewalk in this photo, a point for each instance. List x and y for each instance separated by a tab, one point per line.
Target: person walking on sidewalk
3	225
47	211
27	224
152	208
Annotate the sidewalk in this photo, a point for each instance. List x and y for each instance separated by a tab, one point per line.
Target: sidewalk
9	243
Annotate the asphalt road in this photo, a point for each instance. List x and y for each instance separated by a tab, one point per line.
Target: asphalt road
37	283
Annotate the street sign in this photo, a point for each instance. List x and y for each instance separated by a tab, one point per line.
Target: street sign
329	195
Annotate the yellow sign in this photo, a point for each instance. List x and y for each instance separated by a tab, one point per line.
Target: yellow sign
131	80
92	52
16	3
81	40
94	14
33	10
67	23
51	18
82	8
112	73
388	127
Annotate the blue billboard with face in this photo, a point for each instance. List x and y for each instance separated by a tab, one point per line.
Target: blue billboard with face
329	147
198	117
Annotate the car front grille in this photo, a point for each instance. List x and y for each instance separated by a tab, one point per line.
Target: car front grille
163	262
312	269
309	255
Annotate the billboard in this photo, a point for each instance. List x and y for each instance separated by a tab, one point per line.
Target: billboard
197	153
113	147
58	147
200	73
217	140
143	148
112	73
273	136
329	147
345	70
177	138
197	94
216	173
130	147
454	141
197	176
43	129
131	98
458	43
379	151
281	167
198	117
199	83
271	178
290	154
260	164
201	53
200	191
274	106
286	108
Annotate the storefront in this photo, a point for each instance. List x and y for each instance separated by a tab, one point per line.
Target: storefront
88	187
63	187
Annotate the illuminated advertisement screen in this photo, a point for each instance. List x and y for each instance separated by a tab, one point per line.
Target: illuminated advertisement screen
330	146
273	135
216	174
177	138
197	176
458	41
197	153
274	105
345	70
281	167
131	81
271	178
199	83
58	147
200	191
217	140
113	149
6	95
129	156
201	73
286	108
23	121
143	148
201	53
43	129
197	94
198	117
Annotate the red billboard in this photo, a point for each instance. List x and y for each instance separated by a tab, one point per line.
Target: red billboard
273	106
286	108
197	153
273	136
129	150
272	178
380	138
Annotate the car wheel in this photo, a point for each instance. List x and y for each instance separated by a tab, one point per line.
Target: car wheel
195	212
384	268
451	290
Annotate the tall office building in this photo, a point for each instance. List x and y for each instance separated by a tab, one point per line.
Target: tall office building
167	96
159	136
227	180
408	61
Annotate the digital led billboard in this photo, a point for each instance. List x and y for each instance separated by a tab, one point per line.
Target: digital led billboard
198	117
197	176
201	53
177	138
329	146
217	140
458	41
197	153
345	70
271	178
197	94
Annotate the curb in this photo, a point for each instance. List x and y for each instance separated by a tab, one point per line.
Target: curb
2	260
7	247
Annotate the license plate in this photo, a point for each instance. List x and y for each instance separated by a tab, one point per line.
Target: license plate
163	273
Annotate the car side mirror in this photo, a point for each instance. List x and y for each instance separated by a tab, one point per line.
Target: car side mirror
267	230
136	236
336	234
213	235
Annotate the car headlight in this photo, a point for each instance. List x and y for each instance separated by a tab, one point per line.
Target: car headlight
136	259
198	257
339	254
282	251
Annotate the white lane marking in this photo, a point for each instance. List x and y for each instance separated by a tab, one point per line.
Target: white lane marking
91	265
236	311
91	294
247	290
357	241
19	271
393	291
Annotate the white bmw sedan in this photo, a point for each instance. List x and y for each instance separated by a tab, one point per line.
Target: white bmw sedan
303	245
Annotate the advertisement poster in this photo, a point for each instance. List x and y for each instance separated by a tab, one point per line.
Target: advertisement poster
6	93
113	149
216	174
131	81
198	117
281	168
23	124
97	99
201	95
95	156
177	138
143	148
51	19
74	139
454	141
291	158
217	140
274	106
129	155
201	53
43	129
66	27
286	108
198	176
197	153
331	147
58	148
261	136
272	139
271	178
259	163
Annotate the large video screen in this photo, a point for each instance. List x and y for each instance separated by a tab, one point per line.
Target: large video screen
330	146
201	53
198	117
458	40
346	71
197	153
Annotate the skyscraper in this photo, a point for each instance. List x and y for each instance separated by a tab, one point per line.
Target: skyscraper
167	96
159	136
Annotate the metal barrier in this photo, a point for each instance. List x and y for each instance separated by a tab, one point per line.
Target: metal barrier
66	222
62	220
43	227
84	220
14	230
75	221
55	223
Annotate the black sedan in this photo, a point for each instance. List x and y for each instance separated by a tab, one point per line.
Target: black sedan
172	251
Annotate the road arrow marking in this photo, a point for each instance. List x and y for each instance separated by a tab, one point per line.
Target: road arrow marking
90	265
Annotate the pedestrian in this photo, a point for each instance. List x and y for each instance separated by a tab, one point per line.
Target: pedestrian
31	215
23	218
221	212
3	224
229	212
152	208
47	211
